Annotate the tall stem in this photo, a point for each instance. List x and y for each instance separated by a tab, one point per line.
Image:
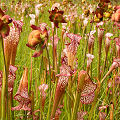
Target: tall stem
76	106
100	36
53	56
87	45
49	67
30	74
95	101
12	104
4	99
99	60
85	53
105	63
70	96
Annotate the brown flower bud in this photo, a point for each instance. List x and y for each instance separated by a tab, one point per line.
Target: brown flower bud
34	38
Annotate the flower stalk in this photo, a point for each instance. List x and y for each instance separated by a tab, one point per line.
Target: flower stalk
53	55
4	97
95	100
100	37
49	68
107	46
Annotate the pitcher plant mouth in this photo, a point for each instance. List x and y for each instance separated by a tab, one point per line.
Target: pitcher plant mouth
22	93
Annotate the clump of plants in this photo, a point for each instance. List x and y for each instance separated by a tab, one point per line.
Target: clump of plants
59	60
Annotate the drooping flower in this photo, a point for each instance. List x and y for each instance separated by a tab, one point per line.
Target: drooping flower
4	21
56	16
34	38
22	93
99	13
37	39
101	10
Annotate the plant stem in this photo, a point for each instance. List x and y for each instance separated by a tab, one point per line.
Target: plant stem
85	53
25	115
4	99
87	45
49	67
53	56
99	60
95	100
49	109
105	63
12	104
69	96
100	37
76	106
92	62
30	75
